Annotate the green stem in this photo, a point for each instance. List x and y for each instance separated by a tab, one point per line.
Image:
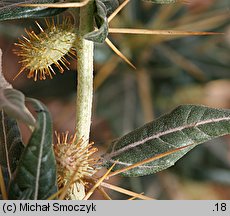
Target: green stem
84	86
85	74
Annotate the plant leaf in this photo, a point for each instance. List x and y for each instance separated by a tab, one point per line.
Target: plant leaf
12	102
9	11
111	5
26	194
101	33
11	145
36	171
186	125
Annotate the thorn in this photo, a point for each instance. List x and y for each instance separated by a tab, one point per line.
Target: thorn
159	32
98	183
112	46
57	5
118	10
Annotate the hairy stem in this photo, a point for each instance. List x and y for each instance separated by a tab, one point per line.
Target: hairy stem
84	85
85	74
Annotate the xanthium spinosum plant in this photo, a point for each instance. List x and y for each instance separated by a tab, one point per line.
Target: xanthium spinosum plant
68	169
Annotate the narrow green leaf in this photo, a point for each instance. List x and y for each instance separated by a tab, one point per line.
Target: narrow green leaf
11	145
101	33
10	10
12	102
186	125
36	172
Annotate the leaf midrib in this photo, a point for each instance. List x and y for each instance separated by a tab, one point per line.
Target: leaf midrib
158	135
40	155
5	144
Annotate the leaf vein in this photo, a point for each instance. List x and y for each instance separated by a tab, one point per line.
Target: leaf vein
169	131
40	156
5	144
165	142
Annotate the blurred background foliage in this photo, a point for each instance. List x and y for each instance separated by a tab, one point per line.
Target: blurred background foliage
171	70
